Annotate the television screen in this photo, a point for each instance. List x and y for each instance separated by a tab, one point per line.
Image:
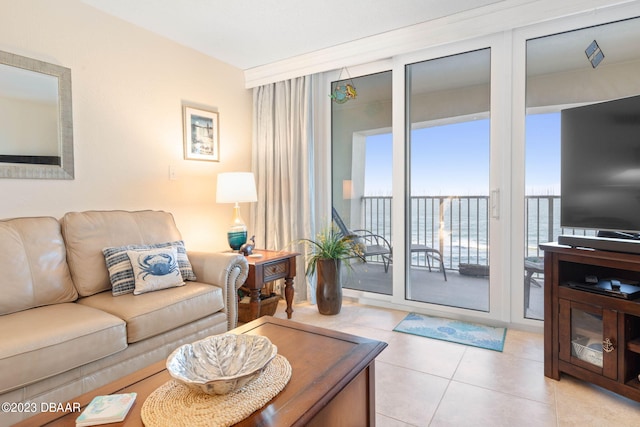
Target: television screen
600	160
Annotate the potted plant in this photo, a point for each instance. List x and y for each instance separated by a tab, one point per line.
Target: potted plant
325	256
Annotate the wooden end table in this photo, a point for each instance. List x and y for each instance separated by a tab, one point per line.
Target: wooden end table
266	266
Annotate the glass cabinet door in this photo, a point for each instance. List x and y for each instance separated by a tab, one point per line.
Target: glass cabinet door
586	336
590	334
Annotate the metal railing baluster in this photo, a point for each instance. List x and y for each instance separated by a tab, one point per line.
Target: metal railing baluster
439	221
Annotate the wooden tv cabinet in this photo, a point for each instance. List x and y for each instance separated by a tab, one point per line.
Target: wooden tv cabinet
587	335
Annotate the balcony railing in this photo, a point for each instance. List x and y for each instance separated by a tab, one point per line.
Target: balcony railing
458	226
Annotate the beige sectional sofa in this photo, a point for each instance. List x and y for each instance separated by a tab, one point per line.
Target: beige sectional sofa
62	330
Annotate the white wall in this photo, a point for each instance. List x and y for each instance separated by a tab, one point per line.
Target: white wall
128	88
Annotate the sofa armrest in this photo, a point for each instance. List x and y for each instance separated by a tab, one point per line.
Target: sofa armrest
226	270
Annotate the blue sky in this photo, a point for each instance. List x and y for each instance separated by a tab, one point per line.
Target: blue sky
542	174
454	159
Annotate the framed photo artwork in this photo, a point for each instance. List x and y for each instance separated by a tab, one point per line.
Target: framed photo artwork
201	134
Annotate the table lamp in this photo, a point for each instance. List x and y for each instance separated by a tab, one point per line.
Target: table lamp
236	187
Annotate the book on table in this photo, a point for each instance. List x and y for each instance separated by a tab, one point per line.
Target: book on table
111	408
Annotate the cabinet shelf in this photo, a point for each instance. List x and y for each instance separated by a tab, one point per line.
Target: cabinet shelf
634	346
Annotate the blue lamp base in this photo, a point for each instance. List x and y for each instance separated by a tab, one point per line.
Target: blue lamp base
237	232
237	239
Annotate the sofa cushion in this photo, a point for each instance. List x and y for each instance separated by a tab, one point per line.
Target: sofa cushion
87	233
156	312
121	271
45	341
33	265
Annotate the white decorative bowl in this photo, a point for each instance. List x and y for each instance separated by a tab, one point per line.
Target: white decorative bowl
222	363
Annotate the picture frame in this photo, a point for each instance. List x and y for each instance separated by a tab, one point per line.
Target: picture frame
201	131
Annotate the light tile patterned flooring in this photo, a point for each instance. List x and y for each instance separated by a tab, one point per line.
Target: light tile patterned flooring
426	382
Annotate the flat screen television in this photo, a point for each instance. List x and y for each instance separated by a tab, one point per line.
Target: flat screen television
600	160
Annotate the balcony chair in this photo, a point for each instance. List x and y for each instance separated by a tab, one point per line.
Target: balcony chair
372	244
532	265
429	253
377	245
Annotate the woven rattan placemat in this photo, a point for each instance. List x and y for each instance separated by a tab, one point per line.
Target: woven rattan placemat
174	404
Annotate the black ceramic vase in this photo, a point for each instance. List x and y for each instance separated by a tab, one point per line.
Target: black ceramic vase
329	286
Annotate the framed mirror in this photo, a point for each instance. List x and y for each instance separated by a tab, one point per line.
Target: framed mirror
36	120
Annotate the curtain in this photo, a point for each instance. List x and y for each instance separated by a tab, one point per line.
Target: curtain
283	163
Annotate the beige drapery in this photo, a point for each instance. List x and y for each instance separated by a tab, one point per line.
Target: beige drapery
283	164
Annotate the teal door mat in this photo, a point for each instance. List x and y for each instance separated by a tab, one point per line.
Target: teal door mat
457	331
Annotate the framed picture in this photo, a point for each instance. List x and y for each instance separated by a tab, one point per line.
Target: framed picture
201	134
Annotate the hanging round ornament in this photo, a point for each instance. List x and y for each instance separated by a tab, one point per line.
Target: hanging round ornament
343	91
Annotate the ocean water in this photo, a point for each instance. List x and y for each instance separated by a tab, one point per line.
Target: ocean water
459	226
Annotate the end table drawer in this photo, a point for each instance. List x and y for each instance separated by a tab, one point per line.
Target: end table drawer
275	270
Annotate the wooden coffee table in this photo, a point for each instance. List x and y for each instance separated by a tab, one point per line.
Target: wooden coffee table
332	381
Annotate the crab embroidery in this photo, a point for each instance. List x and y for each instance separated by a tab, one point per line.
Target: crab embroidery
157	265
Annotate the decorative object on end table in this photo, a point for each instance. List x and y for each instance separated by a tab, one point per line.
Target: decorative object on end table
221	364
247	248
325	255
236	187
201	130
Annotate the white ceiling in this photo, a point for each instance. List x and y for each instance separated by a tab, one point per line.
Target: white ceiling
251	33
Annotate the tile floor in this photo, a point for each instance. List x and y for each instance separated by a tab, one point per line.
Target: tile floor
426	382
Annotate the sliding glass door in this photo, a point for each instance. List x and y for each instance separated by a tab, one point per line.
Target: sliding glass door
448	151
446	229
362	176
452	173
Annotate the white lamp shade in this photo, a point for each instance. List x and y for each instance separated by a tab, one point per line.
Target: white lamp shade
236	187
